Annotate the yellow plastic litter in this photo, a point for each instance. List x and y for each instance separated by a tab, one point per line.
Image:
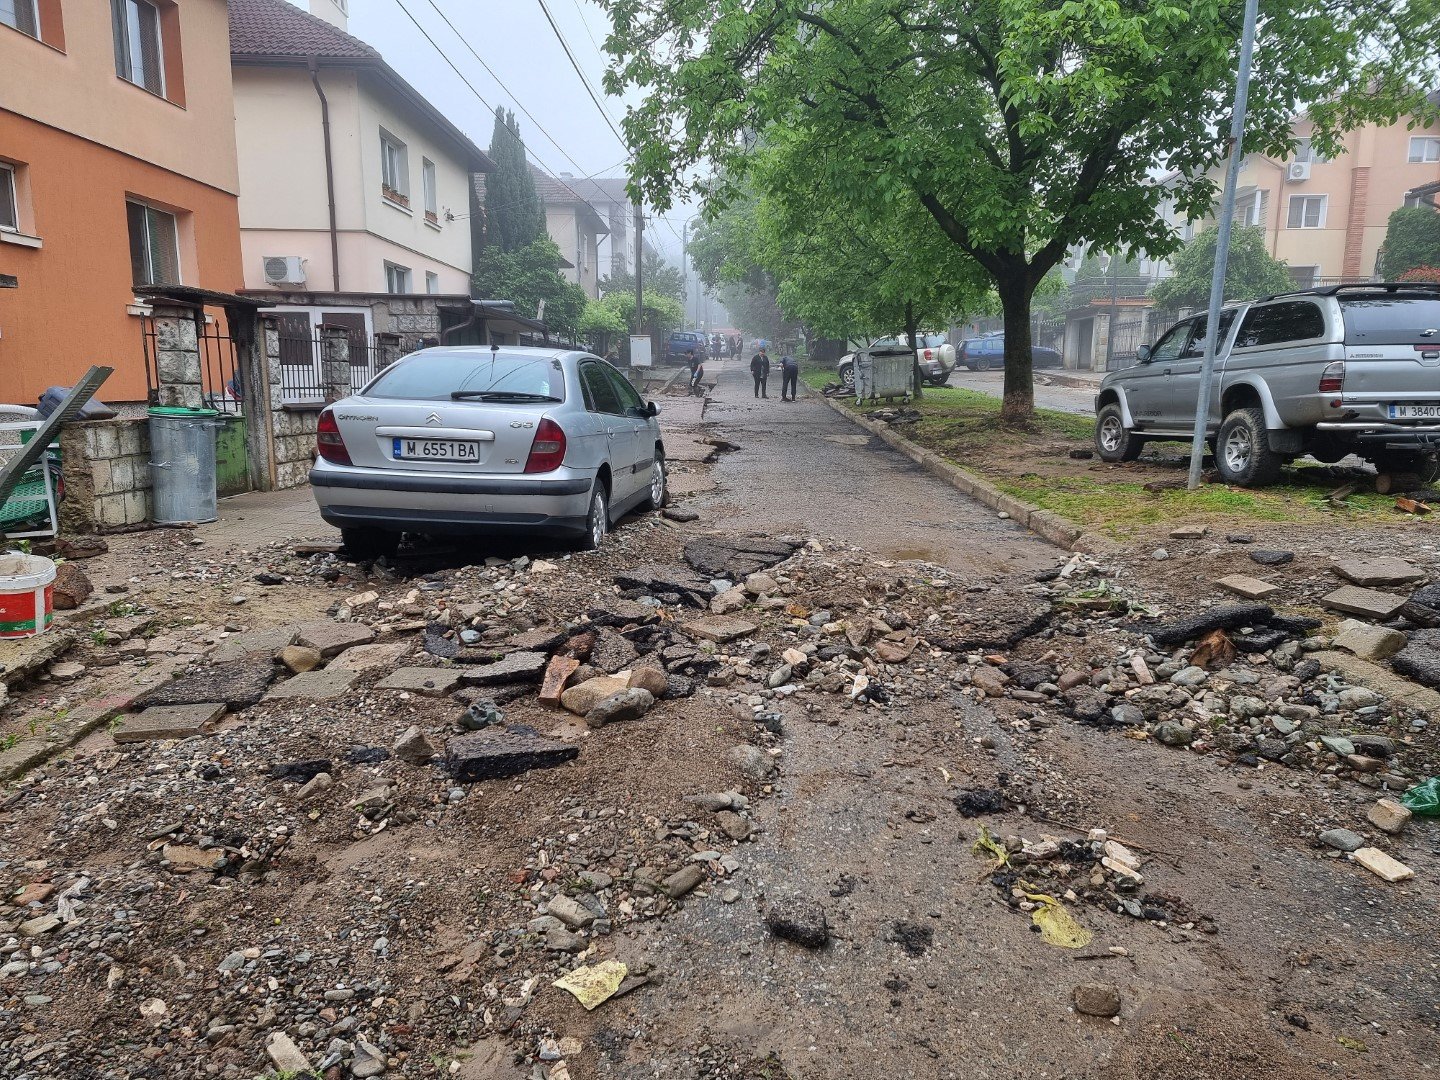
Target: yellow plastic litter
1057	926
988	845
1352	1044
594	983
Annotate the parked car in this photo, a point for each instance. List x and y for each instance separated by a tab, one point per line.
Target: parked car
984	353
1349	369
527	441
682	341
936	356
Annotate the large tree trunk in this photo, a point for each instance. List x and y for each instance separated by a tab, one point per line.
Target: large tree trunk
915	375
1015	292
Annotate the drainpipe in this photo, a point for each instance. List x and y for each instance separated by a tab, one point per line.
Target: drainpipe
329	174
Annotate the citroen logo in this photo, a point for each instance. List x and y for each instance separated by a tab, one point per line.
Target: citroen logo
433	418
1429	333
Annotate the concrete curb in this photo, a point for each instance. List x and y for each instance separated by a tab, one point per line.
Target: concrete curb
1045	524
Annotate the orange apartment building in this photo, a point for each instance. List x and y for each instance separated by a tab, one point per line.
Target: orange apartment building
117	169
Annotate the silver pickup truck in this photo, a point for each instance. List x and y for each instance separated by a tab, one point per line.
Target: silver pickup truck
1350	369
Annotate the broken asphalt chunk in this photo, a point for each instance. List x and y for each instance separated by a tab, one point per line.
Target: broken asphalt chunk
237	684
799	920
497	752
1226	617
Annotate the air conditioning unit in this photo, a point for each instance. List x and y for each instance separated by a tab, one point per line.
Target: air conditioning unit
1299	170
284	270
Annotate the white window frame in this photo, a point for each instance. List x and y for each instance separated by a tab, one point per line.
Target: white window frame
429	186
10	201
1424	149
130	43
393	272
394	166
151	209
33	7
1305	151
432	283
1324	201
1249	210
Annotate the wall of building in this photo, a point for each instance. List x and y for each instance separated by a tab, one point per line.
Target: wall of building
70	310
560	223
77	90
106	466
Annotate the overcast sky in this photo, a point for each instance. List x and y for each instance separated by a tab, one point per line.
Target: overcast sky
514	38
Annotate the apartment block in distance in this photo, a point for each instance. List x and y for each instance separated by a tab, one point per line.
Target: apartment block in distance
117	169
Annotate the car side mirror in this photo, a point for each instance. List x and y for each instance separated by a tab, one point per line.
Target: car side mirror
1142	354
651	409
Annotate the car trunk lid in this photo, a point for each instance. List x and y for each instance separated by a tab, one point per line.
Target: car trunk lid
1392	348
426	436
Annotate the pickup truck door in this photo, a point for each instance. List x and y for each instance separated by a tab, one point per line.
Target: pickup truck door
1182	384
1144	384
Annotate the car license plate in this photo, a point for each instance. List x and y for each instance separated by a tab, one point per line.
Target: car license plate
436	450
1415	412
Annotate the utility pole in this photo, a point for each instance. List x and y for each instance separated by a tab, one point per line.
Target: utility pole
639	270
1222	245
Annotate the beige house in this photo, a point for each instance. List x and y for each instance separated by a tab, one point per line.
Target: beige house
576	227
1326	217
350	181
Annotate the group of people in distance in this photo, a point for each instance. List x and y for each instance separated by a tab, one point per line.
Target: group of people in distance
759	369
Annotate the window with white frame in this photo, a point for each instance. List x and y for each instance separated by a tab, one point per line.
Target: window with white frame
427	183
139	54
1304	151
154	245
22	15
1424	148
394	169
1306	212
9	205
432	282
397	278
1250	209
1416	201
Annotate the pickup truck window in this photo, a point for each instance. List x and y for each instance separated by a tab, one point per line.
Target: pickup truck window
1169	346
1390	320
1281	324
1196	348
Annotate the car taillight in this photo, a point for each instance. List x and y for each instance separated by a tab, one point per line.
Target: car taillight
928	354
1332	379
328	443
548	449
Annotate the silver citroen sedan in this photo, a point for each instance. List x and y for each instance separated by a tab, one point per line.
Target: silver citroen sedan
549	443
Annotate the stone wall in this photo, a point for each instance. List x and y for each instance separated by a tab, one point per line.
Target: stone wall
294	444
106	465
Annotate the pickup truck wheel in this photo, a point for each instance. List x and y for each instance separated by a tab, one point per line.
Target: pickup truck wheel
1424	464
1242	453
1113	441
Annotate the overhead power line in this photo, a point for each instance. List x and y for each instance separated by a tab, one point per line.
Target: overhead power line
580	72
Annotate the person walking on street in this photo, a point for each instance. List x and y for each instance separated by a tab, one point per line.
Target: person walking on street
760	368
789	377
697	369
613	356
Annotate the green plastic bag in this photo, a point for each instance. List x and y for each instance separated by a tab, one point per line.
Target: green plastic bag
1424	798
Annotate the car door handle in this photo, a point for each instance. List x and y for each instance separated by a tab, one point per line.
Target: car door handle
1166	371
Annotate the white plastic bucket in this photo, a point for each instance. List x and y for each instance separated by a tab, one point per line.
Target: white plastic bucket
27	585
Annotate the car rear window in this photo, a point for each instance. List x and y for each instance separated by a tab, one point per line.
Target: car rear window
1280	324
436	375
1390	320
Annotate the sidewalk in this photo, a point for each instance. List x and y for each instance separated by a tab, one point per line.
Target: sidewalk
263	517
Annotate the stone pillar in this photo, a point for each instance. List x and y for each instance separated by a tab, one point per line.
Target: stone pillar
334	363
389	346
177	355
252	364
1098	341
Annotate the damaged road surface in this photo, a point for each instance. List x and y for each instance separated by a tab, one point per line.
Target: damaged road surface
744	797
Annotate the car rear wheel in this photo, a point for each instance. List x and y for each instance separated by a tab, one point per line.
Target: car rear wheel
1242	451
366	543
597	521
1113	440
658	481
980	363
847	376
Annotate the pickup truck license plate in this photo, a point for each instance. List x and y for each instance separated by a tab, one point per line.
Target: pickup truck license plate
436	450
1415	412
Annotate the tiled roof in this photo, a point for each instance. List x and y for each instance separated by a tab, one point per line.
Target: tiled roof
553	190
279	28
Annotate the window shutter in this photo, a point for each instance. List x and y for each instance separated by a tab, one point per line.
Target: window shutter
164	249
149	18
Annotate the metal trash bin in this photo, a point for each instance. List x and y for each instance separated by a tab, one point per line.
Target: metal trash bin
182	465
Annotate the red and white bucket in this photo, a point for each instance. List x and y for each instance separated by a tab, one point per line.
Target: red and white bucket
27	585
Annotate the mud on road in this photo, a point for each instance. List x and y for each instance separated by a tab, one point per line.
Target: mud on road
203	906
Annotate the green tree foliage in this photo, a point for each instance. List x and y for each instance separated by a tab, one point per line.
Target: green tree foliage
1412	238
662	313
514	216
660	276
725	251
527	276
1020	127
1251	271
601	325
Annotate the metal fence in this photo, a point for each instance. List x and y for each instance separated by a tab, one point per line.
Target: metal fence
1130	332
301	356
219	371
